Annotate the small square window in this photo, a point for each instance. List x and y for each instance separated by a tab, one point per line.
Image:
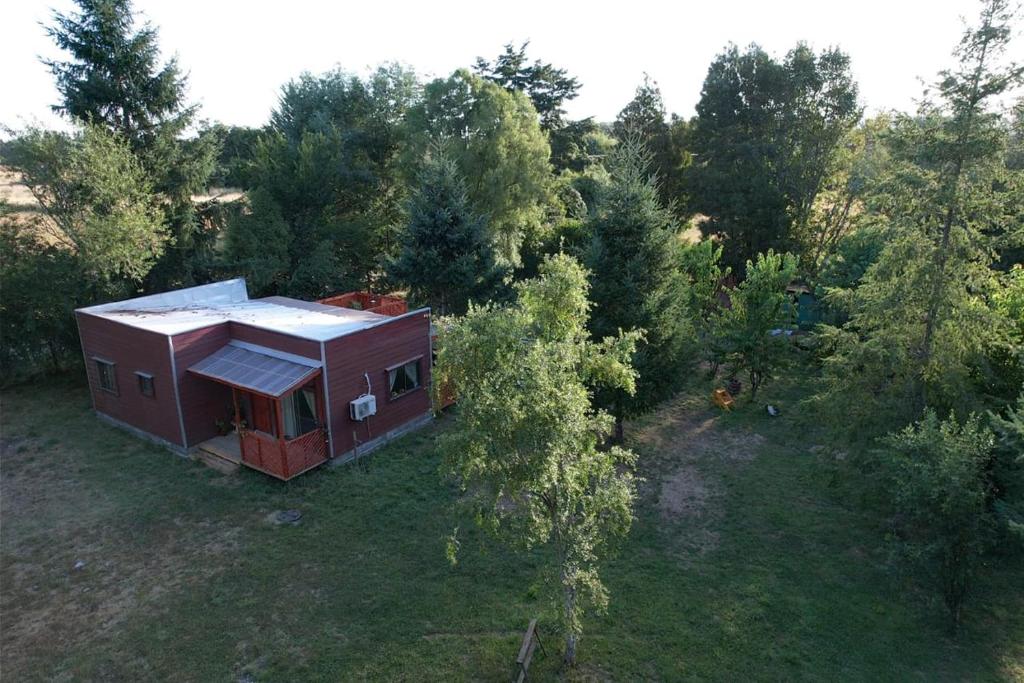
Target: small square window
106	374
404	378
145	383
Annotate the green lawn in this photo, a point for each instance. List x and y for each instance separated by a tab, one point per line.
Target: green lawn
747	561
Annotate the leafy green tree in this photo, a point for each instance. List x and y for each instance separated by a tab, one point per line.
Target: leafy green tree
759	306
527	447
42	285
636	282
256	243
98	201
921	330
939	492
644	119
704	275
763	142
447	258
494	139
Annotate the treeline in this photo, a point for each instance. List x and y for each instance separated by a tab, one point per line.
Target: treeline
908	229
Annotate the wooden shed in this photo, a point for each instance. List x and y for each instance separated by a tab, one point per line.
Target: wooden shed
281	384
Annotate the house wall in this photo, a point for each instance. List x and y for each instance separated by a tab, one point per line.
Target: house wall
275	340
203	401
372	351
132	349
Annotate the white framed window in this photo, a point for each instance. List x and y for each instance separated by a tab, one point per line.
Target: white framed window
146	386
105	371
404	378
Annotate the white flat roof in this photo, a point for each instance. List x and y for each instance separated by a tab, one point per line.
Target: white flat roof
184	310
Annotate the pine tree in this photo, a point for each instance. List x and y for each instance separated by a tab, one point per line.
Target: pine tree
921	329
637	285
114	80
447	258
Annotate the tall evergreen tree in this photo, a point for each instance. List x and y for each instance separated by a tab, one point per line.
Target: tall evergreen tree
546	86
447	258
636	282
330	161
645	119
762	142
922	331
114	79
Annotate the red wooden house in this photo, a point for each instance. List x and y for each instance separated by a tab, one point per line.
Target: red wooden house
291	383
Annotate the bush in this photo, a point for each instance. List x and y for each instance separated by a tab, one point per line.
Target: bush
939	489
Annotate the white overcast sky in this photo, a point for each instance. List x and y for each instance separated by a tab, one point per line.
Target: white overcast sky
238	53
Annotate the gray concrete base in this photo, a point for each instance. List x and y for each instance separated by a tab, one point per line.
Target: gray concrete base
177	449
375	443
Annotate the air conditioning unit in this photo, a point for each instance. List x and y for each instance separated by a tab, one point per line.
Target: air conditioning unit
363	407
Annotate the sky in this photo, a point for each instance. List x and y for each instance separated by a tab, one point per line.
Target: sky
238	53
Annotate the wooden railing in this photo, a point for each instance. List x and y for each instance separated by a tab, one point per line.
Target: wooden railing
284	459
382	304
306	451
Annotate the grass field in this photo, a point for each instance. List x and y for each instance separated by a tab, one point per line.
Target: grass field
746	561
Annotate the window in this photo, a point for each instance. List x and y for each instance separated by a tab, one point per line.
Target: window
145	383
299	412
403	378
108	378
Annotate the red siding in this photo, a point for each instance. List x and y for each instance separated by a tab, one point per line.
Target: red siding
131	350
203	401
275	340
372	351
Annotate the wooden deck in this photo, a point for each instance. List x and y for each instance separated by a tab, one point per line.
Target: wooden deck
222	453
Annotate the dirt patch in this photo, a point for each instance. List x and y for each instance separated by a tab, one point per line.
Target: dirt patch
684	448
684	493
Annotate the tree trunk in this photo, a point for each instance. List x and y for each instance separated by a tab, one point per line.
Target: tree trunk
571	637
619	435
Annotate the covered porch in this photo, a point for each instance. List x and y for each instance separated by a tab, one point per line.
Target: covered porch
279	407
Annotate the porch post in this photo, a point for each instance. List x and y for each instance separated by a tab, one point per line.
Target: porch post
238	423
279	418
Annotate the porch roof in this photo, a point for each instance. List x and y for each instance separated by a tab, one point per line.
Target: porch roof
255	368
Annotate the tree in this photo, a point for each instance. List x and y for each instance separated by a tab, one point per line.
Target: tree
859	162
447	258
98	200
494	139
330	162
644	119
704	275
547	87
939	492
526	449
636	283
1007	470
759	306
42	284
921	330
763	141
256	243
114	80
